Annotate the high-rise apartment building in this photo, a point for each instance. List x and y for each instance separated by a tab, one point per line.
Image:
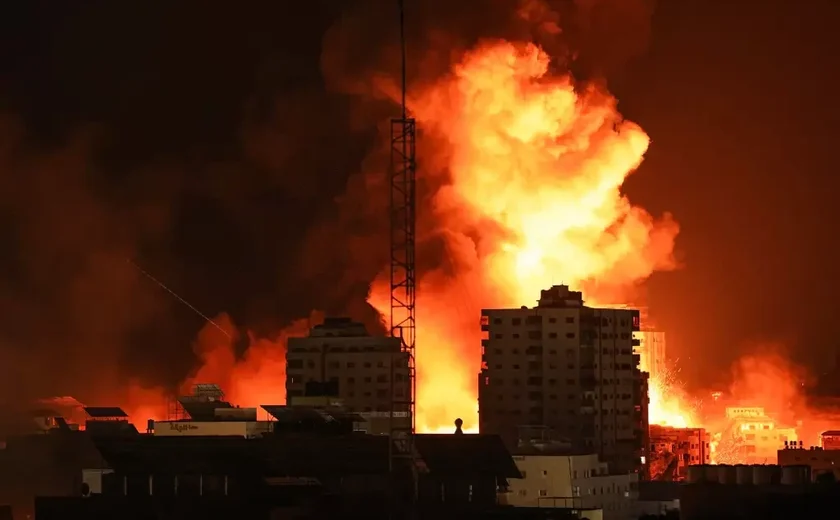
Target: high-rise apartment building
367	374
567	367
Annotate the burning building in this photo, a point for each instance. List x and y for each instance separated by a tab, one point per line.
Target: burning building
673	450
830	440
651	346
568	367
752	436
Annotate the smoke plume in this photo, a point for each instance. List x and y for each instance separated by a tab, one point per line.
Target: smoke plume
266	212
520	169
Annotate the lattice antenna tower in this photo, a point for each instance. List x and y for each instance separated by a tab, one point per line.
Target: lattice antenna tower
402	173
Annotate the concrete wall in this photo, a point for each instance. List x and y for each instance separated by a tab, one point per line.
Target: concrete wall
560	480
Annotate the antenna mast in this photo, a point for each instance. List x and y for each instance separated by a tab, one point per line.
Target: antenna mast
402	172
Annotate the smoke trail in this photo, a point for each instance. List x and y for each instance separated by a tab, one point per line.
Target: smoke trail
182	300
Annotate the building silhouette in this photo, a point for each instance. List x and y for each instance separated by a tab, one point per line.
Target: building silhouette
567	367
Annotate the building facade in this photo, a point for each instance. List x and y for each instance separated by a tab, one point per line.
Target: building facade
572	481
821	461
368	374
673	450
570	368
759	436
830	440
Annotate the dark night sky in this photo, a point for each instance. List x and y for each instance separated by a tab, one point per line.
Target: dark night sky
201	141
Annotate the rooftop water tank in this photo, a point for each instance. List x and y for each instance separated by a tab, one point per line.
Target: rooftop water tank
796	475
695	474
743	474
765	474
727	474
710	472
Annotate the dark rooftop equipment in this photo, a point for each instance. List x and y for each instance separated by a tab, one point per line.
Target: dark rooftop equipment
108	421
202	410
291	419
463	470
62	424
457	455
293	455
105	412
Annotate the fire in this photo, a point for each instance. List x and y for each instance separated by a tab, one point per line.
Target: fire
535	163
668	404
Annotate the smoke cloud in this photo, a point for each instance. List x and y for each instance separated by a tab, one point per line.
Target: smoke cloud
69	297
265	212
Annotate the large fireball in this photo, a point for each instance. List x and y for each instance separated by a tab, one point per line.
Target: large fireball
535	163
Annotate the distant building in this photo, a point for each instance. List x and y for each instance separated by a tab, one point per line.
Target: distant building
367	374
573	481
758	434
568	367
820	460
672	450
205	413
830	440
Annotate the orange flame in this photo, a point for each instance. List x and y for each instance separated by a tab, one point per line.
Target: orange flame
536	165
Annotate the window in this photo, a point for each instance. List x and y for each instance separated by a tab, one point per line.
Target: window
570	319
294	363
570	335
543	493
516	321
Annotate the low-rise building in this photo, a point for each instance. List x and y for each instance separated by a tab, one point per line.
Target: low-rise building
672	450
759	435
830	440
820	460
573	481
